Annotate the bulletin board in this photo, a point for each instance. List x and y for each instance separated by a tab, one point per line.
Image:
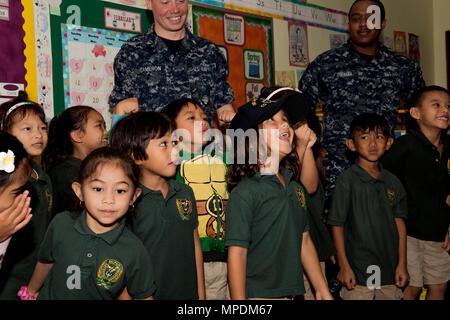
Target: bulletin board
246	42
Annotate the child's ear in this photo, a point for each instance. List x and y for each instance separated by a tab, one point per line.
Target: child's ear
350	144
389	143
76	187
76	135
136	195
415	113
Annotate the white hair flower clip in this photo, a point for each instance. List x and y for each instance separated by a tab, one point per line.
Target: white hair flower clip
7	161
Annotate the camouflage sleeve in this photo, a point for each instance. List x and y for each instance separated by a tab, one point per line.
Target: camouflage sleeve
309	83
223	93
124	86
413	82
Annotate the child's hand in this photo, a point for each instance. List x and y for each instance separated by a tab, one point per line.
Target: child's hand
401	276
226	116
347	277
446	244
127	106
15	217
305	136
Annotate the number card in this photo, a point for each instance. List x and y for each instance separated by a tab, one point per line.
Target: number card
88	58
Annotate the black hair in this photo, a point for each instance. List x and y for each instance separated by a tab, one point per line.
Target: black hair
132	134
18	114
22	164
371	122
60	146
417	98
173	109
377	2
100	157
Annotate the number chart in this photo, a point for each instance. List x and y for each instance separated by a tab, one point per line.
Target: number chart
88	60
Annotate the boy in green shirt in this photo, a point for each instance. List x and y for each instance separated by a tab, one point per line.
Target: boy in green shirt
420	159
367	218
166	214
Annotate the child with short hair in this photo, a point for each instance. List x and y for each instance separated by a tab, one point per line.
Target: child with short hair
367	217
420	159
166	214
15	170
26	120
205	172
73	134
267	229
90	254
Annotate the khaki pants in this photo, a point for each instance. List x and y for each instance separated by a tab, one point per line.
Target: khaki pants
428	262
216	281
388	292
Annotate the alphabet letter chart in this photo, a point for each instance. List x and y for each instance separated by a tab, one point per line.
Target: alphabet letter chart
88	59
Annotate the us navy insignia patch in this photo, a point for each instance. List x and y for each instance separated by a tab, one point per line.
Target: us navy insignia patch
109	273
184	208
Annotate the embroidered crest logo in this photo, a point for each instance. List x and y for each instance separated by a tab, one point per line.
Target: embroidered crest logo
391	196
300	196
184	208
109	273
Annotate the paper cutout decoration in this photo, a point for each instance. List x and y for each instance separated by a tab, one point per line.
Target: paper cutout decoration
285	78
253	90
298	45
414	50
400	42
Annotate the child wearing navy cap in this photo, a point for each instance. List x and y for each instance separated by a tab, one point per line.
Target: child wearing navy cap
267	225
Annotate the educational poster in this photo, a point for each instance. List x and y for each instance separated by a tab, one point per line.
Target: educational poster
251	63
44	75
122	20
400	42
414	50
12	74
254	65
298	45
253	90
234	29
336	40
286	79
88	58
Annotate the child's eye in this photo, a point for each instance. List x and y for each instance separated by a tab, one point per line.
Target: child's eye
97	189
121	191
26	129
163	144
174	142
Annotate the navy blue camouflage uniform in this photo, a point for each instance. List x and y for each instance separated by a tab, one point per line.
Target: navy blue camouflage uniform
348	85
145	68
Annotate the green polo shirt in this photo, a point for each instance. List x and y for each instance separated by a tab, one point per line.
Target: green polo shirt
166	227
90	266
62	176
317	229
366	208
269	220
21	257
425	175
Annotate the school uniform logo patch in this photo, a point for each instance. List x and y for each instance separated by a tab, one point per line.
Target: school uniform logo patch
391	196
300	196
109	273
184	208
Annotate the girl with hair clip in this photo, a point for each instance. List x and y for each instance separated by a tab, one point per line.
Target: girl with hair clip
73	134
267	236
15	170
93	243
26	120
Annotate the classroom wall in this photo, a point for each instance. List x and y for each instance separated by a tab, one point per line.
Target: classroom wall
441	24
427	19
